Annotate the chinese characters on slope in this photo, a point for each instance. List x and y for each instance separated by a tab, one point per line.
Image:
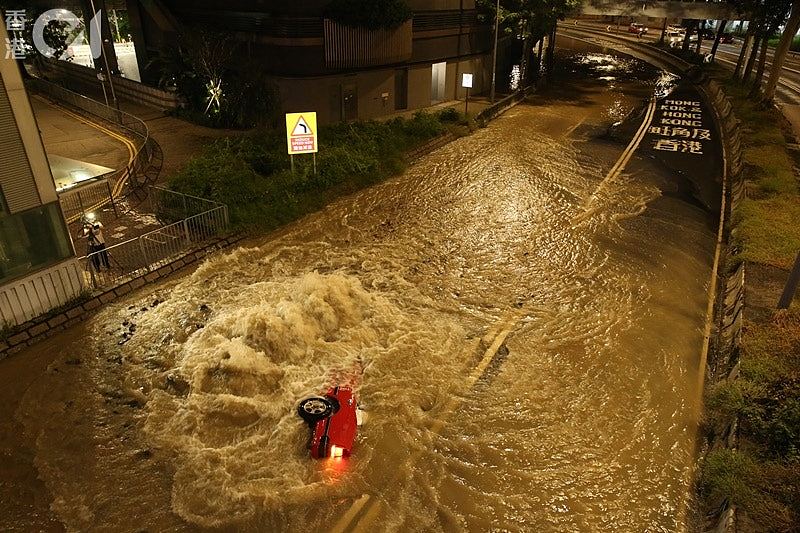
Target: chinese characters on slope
680	128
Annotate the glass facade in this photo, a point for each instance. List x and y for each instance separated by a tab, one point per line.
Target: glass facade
32	240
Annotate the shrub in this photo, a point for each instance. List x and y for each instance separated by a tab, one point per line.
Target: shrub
369	14
251	173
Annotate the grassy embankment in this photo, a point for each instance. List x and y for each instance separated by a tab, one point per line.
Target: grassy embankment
251	174
761	477
794	47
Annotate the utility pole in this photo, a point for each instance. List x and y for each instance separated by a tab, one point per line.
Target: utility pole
104	51
494	54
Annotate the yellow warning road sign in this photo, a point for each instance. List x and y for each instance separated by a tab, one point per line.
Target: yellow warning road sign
301	133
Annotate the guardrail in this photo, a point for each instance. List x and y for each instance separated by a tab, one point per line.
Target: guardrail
146	163
77	201
122	262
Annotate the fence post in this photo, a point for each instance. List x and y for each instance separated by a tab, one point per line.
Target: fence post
80	203
144	254
791	285
92	274
111	197
186	231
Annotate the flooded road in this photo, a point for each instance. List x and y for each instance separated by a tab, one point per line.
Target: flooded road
177	413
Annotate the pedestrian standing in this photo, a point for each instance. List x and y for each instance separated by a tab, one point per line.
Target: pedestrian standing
95	244
100	243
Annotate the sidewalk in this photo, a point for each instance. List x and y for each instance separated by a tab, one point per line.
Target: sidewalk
66	137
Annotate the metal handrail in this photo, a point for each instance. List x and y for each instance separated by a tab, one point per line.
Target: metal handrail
134	126
134	257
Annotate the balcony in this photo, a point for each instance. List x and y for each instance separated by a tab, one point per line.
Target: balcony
347	48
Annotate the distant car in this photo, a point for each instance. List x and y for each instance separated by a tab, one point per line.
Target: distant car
727	38
333	419
674	38
678	29
637	28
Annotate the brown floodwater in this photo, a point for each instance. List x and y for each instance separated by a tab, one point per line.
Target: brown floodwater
174	410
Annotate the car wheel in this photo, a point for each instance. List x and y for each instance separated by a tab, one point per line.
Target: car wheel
315	409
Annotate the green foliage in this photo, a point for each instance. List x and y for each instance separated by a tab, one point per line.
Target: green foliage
369	14
753	486
251	173
203	58
761	478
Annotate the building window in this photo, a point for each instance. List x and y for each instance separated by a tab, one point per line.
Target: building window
32	240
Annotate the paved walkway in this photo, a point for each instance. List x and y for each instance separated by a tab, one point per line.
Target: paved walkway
65	136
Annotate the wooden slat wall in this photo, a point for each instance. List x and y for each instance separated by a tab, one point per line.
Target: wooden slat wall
347	47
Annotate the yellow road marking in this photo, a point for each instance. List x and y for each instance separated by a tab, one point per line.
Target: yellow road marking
575	127
131	147
350	521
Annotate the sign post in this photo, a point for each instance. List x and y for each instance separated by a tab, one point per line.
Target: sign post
301	135
466	82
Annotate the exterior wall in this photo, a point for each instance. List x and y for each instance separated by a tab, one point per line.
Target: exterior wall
24	299
37	179
37	258
419	86
323	94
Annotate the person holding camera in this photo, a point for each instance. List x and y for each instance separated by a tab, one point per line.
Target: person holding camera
96	244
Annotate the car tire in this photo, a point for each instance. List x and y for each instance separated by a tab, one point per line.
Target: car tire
314	409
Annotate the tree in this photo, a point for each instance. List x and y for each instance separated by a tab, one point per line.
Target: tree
781	52
369	14
720	32
531	21
773	16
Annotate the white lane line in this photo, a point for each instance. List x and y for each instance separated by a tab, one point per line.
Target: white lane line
621	163
575	127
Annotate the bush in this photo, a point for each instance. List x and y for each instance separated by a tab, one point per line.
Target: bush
450	114
251	175
369	14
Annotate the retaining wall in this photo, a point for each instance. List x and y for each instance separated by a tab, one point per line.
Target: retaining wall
724	352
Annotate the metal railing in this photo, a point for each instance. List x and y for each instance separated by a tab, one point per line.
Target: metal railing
147	154
122	262
79	200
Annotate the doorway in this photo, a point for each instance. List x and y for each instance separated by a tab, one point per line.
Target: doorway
438	75
349	102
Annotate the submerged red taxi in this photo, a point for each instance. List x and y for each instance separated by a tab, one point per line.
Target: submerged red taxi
333	419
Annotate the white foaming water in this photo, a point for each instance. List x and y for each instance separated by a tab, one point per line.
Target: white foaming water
238	444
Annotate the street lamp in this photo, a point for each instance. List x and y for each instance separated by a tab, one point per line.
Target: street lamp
103	51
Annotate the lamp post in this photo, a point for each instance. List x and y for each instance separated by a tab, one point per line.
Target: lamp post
105	60
494	53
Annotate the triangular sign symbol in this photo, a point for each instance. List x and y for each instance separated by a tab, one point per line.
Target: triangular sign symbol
302	128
